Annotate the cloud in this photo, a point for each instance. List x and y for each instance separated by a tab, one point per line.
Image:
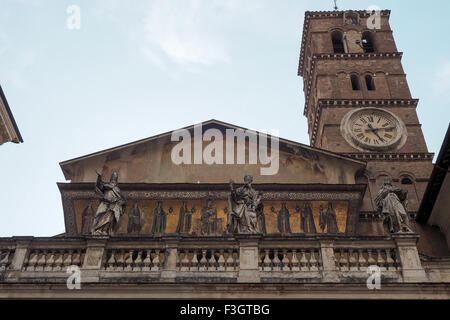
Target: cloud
186	32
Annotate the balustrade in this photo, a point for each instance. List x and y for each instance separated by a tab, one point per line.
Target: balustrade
53	259
208	260
358	259
134	260
302	260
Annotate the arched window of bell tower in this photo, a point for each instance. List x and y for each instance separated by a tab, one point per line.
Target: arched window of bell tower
337	37
367	42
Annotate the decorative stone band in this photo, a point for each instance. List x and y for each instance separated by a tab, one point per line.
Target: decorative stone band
392	156
179	192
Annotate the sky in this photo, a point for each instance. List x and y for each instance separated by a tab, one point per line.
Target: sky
135	69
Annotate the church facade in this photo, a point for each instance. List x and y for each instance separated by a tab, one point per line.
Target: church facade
336	219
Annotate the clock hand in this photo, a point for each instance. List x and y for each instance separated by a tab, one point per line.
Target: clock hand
375	131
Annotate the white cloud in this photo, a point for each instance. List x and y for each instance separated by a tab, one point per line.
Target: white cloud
186	32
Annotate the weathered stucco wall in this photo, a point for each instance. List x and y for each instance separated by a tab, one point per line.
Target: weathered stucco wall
150	162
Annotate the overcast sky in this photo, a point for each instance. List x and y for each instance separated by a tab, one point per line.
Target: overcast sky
138	68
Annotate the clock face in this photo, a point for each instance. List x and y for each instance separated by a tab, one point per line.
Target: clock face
373	129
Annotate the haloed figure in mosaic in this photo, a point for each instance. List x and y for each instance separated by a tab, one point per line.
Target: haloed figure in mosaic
307	224
245	208
111	208
185	218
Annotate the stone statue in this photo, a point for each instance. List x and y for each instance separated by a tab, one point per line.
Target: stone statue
307	224
391	202
208	220
283	216
245	208
134	219
185	219
111	208
87	219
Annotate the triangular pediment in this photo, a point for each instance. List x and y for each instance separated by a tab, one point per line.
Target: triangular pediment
151	160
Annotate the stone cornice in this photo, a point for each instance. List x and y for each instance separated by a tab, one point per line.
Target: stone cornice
392	156
320	15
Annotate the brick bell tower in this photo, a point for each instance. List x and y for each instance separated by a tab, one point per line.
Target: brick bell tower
358	103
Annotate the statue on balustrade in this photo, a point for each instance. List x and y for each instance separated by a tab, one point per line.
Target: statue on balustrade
244	209
391	202
185	218
87	219
283	216
159	219
307	224
111	208
135	220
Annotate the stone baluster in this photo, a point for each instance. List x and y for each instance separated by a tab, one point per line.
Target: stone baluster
194	261
184	261
276	261
343	261
380	260
353	262
41	261
370	259
51	261
304	261
295	265
147	261
203	261
119	260
138	262
32	260
58	265
314	265
156	263
76	259
389	261
285	261
267	263
68	260
361	260
221	261
110	264
129	261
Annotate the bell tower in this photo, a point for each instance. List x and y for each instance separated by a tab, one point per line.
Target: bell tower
358	103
